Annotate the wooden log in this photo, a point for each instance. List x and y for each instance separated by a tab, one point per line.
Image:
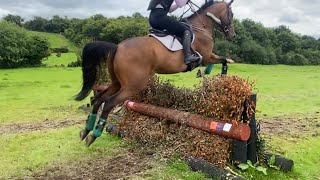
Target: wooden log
211	170
240	132
284	164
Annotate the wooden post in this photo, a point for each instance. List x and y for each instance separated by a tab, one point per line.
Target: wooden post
252	142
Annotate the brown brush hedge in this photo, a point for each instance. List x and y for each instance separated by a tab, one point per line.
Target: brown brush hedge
221	98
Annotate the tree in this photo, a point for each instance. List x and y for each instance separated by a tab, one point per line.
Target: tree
14	19
253	53
57	24
36	24
308	42
38	48
288	41
13	46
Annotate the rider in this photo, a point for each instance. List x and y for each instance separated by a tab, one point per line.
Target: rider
159	19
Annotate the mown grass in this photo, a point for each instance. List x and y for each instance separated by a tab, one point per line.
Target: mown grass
37	94
23	153
56	40
63	60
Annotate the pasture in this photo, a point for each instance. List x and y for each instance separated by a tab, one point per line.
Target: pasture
56	40
40	123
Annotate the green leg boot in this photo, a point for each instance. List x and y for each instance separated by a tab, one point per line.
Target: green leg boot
89	126
99	127
91	121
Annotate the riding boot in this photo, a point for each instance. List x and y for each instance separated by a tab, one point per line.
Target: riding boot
188	56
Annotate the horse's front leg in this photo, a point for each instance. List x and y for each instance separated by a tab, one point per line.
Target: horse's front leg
216	59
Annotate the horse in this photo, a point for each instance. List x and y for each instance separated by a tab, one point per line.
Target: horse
134	61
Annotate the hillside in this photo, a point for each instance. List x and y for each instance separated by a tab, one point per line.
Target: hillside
56	40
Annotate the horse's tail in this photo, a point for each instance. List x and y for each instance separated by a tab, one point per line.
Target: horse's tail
92	54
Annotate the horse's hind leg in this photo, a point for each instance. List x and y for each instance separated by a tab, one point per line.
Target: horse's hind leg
109	104
98	100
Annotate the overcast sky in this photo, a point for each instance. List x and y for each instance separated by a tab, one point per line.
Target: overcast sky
301	16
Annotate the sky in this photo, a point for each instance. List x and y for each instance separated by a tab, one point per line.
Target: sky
300	16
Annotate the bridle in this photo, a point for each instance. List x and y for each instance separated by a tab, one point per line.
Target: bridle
222	26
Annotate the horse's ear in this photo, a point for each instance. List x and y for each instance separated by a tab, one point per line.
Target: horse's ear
229	4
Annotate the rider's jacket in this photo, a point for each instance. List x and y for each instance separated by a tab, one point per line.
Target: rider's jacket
165	4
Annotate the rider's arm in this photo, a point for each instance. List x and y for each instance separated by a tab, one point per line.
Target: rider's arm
178	4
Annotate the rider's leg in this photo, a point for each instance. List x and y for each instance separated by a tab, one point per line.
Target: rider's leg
160	19
188	55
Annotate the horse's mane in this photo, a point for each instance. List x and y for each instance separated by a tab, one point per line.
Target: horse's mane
205	6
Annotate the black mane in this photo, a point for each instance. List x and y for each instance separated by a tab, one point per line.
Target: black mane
205	6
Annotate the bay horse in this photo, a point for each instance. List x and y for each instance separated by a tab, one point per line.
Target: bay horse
134	61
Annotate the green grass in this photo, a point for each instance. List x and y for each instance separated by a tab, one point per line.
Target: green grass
175	170
305	153
37	94
282	90
56	40
26	152
63	60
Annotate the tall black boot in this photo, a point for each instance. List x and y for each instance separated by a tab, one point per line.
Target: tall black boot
188	56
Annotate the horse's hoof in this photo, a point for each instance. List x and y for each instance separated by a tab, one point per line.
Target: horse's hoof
230	61
90	139
83	134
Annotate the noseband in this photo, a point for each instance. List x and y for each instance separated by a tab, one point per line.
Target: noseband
222	26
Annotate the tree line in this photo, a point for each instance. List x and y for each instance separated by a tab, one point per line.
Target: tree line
253	44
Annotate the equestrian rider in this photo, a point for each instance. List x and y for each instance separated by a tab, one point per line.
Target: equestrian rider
160	20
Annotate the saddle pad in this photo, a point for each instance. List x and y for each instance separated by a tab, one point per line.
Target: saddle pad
170	42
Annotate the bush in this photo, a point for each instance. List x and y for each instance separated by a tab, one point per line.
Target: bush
38	48
13	45
62	49
298	59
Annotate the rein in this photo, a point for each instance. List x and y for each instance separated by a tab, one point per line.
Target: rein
218	22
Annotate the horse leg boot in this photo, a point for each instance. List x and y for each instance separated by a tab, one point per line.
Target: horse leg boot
109	104
91	120
189	57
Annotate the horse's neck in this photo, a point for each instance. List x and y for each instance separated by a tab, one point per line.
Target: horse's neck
202	21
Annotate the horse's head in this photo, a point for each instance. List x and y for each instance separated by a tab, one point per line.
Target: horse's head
222	14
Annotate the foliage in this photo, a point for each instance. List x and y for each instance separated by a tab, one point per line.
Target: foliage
13	45
36	24
62	49
17	49
38	48
245	166
18	20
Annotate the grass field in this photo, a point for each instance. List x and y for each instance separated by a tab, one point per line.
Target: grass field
56	40
63	60
36	94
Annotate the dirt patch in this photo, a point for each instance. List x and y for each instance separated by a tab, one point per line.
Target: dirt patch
303	125
44	125
124	165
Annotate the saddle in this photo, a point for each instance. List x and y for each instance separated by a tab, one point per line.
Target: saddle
171	42
174	43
